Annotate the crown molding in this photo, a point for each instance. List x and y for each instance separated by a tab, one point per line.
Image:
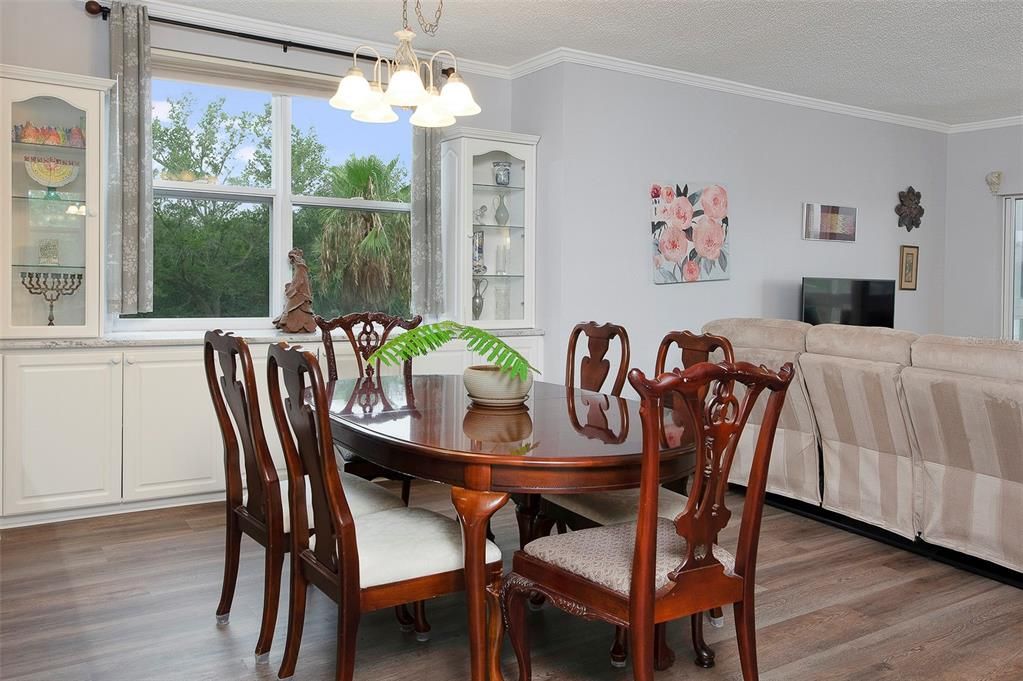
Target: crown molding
563	55
986	125
271	29
55	77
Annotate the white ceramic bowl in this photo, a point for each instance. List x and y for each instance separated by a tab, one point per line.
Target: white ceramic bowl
487	384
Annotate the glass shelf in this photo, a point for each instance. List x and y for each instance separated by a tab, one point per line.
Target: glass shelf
47	200
498	187
475	224
77	268
33	146
498	276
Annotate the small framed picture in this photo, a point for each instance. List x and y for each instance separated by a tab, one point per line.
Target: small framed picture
822	222
909	265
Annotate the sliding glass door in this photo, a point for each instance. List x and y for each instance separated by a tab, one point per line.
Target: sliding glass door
1013	297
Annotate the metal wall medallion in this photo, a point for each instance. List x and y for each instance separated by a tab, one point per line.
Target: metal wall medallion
909	209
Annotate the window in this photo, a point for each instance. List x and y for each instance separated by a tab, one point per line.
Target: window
242	175
1013	296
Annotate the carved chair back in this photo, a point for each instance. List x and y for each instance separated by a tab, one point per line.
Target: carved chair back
308	451
235	401
594	367
693	349
366	331
705	392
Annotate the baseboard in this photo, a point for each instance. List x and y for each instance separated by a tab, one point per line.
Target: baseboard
64	515
941	554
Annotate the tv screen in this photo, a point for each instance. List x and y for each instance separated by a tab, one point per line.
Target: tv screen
857	302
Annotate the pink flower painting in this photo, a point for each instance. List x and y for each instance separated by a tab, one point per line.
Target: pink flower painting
690	232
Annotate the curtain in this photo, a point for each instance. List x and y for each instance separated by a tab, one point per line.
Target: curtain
130	216
427	231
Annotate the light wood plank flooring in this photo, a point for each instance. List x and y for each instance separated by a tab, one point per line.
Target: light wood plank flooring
132	597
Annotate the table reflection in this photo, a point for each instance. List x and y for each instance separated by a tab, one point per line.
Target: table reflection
598	406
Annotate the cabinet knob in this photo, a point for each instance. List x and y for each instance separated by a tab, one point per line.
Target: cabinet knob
115	360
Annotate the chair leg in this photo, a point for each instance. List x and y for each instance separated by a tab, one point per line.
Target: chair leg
406	490
347	629
422	626
495	630
271	599
620	648
716	618
704	653
746	637
296	620
232	549
513	603
664	656
641	641
405	620
562	527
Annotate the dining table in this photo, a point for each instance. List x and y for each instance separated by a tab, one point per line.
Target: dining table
561	440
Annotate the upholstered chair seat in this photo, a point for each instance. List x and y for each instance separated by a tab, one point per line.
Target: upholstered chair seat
364	497
617	506
408	543
603	555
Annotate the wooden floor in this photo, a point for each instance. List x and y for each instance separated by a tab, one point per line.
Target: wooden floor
132	597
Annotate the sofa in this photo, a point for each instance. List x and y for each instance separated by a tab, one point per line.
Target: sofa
919	436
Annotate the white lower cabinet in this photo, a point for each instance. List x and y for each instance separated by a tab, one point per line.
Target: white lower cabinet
61	431
172	443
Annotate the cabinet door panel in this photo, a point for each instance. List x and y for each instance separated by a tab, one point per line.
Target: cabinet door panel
62	431
172	443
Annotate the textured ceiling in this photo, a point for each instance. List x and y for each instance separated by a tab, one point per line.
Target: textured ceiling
943	60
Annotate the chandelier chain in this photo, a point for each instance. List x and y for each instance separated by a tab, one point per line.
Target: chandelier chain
429	28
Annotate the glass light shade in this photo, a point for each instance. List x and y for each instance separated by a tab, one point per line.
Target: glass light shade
374	109
351	91
458	98
405	88
432	112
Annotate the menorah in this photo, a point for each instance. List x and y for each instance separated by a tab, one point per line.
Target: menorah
51	286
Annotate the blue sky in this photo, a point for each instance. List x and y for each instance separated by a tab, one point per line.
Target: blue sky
336	129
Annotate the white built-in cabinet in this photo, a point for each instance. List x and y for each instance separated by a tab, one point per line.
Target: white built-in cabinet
170	429
61	430
488	211
52	150
88	431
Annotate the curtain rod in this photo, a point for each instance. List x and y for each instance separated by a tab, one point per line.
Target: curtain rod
94	8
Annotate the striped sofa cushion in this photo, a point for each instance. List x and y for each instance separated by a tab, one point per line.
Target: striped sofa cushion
795	469
861	412
970	431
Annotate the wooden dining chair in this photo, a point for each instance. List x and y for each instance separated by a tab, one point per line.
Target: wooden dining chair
655	570
366	331
363	563
583	511
256	500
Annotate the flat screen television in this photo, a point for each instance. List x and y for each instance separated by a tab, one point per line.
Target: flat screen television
857	302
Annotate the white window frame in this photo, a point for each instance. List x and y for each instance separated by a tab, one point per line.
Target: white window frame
278	196
1010	297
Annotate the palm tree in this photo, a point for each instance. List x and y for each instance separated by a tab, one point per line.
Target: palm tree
365	256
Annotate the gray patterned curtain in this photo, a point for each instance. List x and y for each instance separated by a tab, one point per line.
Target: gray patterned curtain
427	232
130	232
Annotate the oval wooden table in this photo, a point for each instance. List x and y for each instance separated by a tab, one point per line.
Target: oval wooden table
563	440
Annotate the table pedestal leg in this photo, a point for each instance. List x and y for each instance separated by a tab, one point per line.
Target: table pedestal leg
474	509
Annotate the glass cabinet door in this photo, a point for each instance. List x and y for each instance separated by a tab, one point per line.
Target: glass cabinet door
48	180
498	237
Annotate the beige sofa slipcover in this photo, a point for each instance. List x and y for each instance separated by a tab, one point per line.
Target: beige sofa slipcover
853	377
794	471
965	400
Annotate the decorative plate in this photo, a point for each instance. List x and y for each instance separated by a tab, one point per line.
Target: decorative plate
51	171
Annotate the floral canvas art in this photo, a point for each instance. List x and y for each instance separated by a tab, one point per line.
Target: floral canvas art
689	232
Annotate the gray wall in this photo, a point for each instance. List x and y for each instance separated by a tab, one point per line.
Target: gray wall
600	153
56	35
974	236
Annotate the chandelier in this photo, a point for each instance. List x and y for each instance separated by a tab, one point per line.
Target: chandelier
371	101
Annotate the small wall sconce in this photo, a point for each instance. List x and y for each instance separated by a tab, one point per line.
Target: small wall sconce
994	180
